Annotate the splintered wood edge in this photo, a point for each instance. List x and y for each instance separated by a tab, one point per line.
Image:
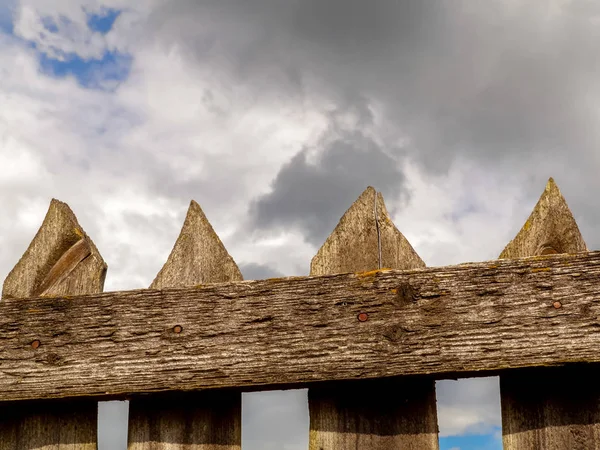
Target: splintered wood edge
55	251
198	255
64	266
550	228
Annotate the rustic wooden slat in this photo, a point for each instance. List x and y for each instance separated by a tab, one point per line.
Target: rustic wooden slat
484	316
203	420
61	260
370	415
553	408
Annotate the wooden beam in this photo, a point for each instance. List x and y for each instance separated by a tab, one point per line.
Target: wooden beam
61	260
483	316
370	414
550	408
200	420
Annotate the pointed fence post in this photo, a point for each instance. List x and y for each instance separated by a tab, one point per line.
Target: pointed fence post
202	420
549	408
370	414
61	260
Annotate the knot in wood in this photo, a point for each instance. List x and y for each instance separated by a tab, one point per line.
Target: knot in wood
406	294
54	359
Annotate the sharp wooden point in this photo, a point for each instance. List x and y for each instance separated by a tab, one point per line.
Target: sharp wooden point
198	255
396	250
60	260
365	239
550	228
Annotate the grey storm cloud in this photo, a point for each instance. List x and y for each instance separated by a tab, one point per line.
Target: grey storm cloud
484	79
313	197
499	83
255	271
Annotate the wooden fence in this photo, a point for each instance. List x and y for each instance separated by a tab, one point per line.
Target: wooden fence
368	333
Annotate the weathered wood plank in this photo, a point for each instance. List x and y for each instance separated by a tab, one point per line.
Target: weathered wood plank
61	260
482	316
555	408
370	415
202	420
198	256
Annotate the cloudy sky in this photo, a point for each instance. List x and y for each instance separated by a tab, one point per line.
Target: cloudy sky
274	115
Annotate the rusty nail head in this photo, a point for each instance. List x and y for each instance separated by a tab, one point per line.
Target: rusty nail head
557	304
35	344
363	317
177	328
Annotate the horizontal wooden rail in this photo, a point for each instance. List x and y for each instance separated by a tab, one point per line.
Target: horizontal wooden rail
484	316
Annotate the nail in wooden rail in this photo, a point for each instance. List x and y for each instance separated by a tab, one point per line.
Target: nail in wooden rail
370	414
549	408
61	260
201	420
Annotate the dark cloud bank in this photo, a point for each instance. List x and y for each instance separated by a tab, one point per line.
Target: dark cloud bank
511	85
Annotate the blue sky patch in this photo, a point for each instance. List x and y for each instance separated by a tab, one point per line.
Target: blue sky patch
6	16
50	24
113	68
104	73
472	442
104	21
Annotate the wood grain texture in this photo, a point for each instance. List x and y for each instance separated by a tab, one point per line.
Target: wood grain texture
48	425
198	256
61	260
380	414
353	245
484	316
550	229
557	408
201	420
48	261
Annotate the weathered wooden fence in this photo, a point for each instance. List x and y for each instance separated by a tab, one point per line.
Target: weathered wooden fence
368	332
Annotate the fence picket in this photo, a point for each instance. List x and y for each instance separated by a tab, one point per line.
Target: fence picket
60	260
199	420
381	414
417	322
549	408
